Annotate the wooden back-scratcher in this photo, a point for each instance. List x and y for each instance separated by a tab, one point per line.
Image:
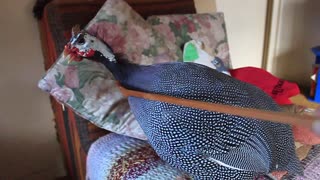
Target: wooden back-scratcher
307	121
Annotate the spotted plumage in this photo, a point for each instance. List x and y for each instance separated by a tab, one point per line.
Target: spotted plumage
205	144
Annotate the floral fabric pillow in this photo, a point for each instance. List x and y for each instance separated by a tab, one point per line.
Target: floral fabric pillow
128	33
88	88
207	28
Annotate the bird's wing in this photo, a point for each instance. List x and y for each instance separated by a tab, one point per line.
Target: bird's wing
197	82
251	156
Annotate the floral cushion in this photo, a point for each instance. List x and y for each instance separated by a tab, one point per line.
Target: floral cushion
208	28
128	33
88	88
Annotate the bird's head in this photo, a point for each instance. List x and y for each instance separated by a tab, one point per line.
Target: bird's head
83	45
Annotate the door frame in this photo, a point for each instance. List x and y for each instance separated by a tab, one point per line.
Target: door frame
271	34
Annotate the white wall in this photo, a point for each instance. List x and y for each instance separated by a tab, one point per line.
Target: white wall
29	147
245	21
296	28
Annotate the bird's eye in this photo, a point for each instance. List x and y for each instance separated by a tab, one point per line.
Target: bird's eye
81	41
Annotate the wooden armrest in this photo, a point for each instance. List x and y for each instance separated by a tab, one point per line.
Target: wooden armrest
77	1
303	101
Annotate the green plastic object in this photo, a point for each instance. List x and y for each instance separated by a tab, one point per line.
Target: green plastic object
190	53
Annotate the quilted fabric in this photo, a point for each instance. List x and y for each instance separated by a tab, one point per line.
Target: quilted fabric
208	28
118	157
88	88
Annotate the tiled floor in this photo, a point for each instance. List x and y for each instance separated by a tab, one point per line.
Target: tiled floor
29	149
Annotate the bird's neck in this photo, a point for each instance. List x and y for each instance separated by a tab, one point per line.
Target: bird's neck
113	66
121	70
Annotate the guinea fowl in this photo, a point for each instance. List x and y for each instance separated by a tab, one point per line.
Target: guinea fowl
204	144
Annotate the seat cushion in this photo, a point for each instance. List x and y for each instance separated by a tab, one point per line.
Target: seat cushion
118	157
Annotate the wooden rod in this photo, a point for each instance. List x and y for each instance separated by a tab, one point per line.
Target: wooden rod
306	121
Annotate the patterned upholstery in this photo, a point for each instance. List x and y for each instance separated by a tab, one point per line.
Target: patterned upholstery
119	157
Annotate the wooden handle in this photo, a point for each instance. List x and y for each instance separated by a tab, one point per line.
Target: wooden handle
306	121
